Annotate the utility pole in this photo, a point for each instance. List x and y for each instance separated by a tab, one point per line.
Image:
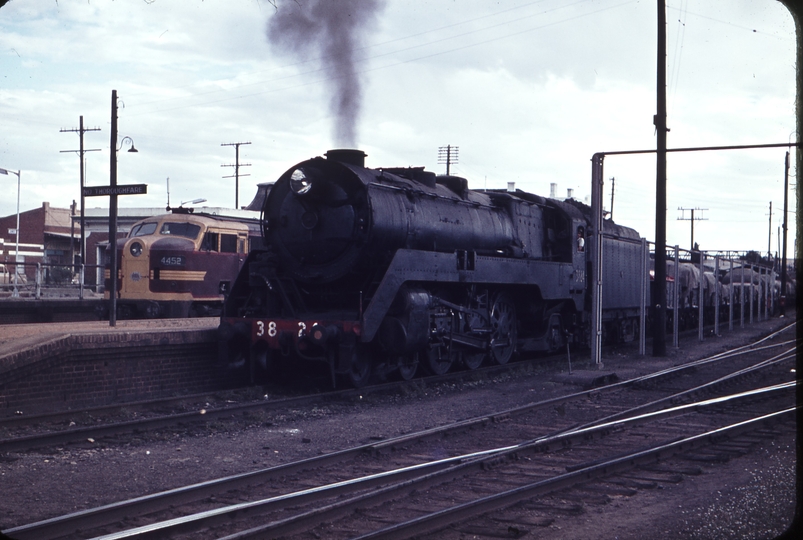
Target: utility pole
778	251
448	155
72	234
113	214
236	174
785	211
613	185
769	236
692	219
81	130
659	321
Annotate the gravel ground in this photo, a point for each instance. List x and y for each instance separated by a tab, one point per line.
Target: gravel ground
750	497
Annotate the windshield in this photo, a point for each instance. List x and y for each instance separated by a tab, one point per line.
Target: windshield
143	229
187	230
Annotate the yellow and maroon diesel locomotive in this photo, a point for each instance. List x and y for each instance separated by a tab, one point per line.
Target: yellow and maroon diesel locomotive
180	264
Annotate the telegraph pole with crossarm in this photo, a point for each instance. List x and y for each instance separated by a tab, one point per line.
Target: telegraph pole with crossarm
236	166
448	155
692	219
81	130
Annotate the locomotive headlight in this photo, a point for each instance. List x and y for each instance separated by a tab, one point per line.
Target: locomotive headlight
135	249
300	183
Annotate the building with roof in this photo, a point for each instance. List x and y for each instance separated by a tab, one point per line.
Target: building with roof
45	237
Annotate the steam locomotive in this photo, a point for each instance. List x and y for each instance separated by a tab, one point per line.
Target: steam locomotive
392	269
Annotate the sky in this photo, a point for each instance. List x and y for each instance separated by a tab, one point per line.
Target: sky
526	90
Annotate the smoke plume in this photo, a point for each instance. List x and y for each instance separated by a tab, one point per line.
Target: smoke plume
331	30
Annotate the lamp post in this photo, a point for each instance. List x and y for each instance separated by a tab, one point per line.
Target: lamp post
16	293
113	209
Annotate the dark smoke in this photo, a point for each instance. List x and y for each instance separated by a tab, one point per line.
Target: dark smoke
331	30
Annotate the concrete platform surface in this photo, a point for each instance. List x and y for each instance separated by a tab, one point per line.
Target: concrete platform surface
18	338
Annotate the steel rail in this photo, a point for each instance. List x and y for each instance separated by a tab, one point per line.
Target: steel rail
50	417
401	440
80	434
301	522
709	386
53	527
408	475
438	520
710	359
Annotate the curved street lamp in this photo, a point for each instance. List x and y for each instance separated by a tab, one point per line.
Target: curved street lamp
129	140
113	208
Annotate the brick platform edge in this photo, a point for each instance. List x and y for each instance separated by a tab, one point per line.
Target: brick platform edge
92	369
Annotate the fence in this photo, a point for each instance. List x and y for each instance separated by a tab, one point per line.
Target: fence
708	283
48	280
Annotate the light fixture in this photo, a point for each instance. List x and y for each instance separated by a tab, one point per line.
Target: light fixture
129	140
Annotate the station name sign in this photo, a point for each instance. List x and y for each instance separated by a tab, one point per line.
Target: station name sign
128	189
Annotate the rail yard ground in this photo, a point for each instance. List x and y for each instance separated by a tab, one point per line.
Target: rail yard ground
752	496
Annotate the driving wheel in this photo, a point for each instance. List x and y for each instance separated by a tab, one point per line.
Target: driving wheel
473	360
360	369
503	328
439	360
408	365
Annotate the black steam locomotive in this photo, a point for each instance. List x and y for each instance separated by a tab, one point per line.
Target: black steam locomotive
396	268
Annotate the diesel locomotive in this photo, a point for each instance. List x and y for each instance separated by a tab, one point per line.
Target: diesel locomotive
180	264
397	268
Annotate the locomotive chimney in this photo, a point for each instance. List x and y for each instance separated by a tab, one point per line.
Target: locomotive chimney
347	156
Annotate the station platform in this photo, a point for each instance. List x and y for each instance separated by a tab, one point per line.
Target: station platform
15	338
50	309
75	363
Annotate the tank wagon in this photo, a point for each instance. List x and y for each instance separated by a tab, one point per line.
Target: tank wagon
394	268
180	264
728	289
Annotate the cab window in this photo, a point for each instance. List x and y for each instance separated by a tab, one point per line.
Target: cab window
143	229
186	230
210	242
228	243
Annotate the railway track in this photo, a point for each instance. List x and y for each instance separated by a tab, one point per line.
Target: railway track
438	455
434	501
23	433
